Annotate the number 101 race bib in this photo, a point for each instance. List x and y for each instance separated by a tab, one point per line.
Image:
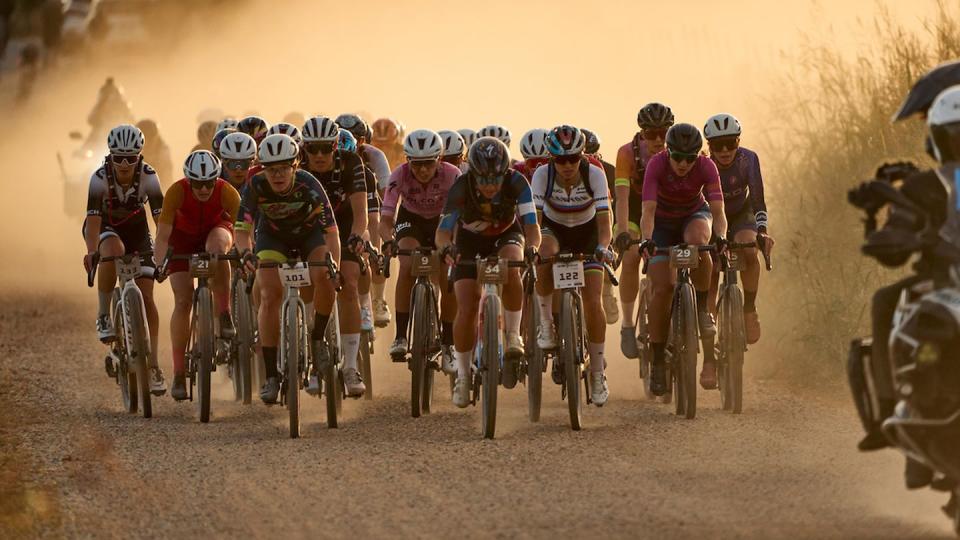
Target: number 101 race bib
297	276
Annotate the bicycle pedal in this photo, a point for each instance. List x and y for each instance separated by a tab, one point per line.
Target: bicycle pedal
398	359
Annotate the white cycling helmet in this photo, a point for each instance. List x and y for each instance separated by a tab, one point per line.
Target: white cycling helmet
227	123
721	125
422	144
125	140
238	145
497	132
202	165
469	136
943	121
286	129
321	129
533	144
453	144
278	148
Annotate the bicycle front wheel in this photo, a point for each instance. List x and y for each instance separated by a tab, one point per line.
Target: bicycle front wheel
292	327
570	348
530	321
366	372
490	368
205	348
126	378
139	350
332	386
733	345
687	349
243	367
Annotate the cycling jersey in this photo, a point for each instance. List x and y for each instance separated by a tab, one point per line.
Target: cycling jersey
527	168
425	200
578	206
192	217
639	157
481	216
679	197
301	209
374	158
373	196
344	179
742	183
118	204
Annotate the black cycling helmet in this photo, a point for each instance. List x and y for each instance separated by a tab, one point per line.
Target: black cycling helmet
354	124
488	158
927	88
655	115
684	138
253	126
593	142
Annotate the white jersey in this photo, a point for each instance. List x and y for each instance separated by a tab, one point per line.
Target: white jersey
117	204
572	208
374	158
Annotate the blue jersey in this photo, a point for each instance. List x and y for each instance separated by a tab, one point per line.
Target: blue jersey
301	209
742	181
475	213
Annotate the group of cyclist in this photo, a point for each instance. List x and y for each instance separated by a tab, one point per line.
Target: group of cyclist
344	187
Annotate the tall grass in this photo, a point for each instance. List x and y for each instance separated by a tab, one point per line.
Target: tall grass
833	131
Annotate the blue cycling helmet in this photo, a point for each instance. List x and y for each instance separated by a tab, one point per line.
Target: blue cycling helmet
565	140
347	142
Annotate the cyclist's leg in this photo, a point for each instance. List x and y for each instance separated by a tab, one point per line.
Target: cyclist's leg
546	333
465	324
219	241
751	283
630	280
153	317
510	247
317	244
401	299
110	246
697	232
182	285
348	304
595	318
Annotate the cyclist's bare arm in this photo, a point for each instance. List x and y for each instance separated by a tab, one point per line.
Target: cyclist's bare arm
647	219
163	240
603	228
622	187
719	218
358	203
92	233
531	233
386	227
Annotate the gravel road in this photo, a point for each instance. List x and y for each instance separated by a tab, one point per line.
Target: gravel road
73	464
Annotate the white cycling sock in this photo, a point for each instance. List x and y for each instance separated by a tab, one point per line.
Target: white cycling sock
463	362
596	357
365	301
351	346
377	289
546	307
512	320
627	321
103	302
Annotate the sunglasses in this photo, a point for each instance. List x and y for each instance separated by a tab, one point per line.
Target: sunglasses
201	184
567	160
278	170
320	147
489	180
124	160
422	163
651	134
237	164
724	143
681	157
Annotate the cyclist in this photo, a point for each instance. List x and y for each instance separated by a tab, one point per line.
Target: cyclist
237	152
253	126
284	128
502	134
654	119
387	137
376	160
289	210
156	152
486	205
198	215
572	201
682	198
746	209
218	137
592	151
419	187
343	178
227	123
205	133
454	149
469	137
116	224
533	148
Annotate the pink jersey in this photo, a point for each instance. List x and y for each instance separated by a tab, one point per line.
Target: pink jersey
680	196
425	200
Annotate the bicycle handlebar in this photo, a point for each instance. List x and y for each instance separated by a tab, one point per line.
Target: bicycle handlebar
97	260
667	250
333	272
385	259
492	259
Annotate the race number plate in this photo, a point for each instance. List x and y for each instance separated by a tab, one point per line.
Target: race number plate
201	267
686	257
423	265
296	276
128	270
492	273
568	275
735	260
